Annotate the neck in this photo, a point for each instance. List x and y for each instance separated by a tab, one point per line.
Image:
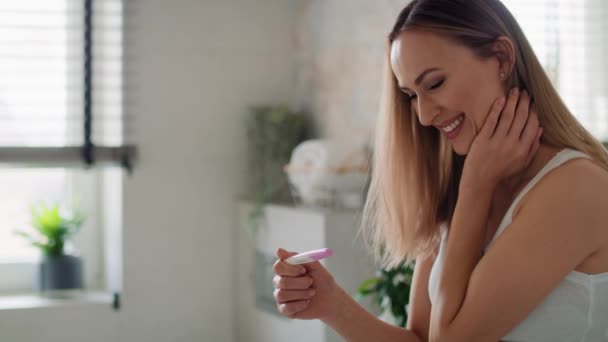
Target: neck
517	181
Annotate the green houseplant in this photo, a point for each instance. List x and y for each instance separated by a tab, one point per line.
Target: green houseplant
390	290
272	133
51	232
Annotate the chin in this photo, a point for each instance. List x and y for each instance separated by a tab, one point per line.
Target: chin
460	151
460	147
461	144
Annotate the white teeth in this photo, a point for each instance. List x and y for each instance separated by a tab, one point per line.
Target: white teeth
453	125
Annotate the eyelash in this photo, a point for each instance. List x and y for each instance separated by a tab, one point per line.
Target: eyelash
433	87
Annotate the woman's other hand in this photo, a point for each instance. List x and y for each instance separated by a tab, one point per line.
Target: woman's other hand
506	144
306	291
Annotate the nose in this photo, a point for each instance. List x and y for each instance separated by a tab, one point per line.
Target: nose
427	110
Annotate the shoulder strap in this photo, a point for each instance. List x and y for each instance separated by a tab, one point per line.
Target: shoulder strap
557	160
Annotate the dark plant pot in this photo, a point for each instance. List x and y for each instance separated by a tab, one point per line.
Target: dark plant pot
60	272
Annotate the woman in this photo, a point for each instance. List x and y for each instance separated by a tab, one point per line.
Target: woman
509	232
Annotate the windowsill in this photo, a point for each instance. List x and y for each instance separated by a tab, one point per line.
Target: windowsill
37	301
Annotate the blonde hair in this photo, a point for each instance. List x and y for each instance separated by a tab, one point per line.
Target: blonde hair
415	174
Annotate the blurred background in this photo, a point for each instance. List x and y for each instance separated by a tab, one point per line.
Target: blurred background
154	154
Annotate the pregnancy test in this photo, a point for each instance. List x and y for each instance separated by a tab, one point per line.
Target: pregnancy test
309	256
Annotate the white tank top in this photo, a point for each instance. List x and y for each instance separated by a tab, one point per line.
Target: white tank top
576	310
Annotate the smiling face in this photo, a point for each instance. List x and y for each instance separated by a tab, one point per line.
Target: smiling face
446	84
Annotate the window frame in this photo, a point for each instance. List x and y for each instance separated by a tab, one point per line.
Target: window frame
100	197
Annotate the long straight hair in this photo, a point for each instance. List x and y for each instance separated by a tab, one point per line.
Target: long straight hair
415	173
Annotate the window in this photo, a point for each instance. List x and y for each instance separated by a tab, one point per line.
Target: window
61	112
570	38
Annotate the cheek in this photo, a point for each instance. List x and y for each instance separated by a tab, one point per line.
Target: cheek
477	91
479	114
480	100
467	99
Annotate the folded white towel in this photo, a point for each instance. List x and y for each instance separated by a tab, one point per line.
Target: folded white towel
320	165
307	160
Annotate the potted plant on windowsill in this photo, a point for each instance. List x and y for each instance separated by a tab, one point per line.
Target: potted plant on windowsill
60	268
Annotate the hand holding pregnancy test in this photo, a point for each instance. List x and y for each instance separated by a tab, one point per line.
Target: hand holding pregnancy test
310	256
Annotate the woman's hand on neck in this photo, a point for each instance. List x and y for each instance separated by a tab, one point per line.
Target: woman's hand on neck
509	186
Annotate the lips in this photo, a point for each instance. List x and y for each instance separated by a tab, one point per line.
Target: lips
451	128
451	123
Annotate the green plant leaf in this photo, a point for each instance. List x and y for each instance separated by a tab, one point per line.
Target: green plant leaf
54	228
24	234
391	290
368	286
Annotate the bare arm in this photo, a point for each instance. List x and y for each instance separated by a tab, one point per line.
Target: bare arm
419	314
355	324
545	241
335	307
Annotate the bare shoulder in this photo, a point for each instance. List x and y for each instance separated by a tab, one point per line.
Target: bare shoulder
556	229
580	188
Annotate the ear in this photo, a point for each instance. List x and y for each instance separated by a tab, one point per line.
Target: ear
504	50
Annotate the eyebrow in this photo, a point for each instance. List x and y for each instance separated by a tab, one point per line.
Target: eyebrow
420	77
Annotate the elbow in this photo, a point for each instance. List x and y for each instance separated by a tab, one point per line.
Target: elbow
442	338
451	337
419	337
435	338
442	329
442	334
437	333
457	333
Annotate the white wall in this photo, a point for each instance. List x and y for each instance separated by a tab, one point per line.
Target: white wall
339	59
193	67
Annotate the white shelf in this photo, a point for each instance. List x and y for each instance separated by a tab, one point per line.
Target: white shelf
296	229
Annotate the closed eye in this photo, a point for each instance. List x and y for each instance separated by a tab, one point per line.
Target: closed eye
437	85
433	87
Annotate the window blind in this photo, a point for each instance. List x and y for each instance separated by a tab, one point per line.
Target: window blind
570	37
61	84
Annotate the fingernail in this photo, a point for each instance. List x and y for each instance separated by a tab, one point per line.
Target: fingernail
501	101
302	270
514	91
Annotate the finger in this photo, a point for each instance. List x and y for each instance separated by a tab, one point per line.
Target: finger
284	269
521	115
531	130
291	308
535	146
506	117
283	254
284	296
492	119
290	283
310	266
